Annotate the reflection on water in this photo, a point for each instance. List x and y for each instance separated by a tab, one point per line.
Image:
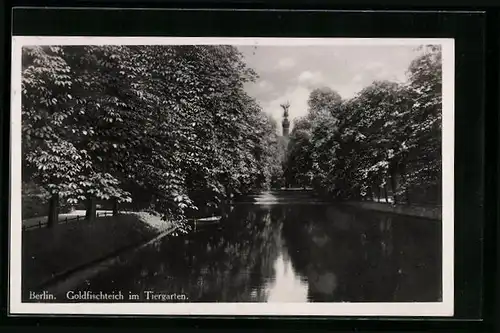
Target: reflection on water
289	253
286	285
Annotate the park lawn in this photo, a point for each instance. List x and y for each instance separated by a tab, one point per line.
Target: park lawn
50	252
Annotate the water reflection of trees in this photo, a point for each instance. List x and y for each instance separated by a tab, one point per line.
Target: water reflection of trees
343	254
226	264
353	256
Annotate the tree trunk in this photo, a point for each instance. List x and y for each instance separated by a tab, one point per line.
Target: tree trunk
407	194
386	196
224	211
394	188
53	217
152	202
378	193
115	206
90	213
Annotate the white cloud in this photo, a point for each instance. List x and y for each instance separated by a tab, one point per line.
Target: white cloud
265	85
358	78
380	71
305	76
286	63
347	90
308	77
291	73
374	66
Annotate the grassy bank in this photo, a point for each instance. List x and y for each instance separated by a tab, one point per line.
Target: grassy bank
49	253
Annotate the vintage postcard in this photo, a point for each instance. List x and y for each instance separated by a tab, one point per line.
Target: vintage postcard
232	176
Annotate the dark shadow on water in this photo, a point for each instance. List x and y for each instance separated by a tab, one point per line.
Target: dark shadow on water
353	256
288	253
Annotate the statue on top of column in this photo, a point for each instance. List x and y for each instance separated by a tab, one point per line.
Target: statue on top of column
285	123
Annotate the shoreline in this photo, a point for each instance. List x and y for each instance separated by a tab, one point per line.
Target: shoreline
432	213
52	255
64	281
78	273
427	212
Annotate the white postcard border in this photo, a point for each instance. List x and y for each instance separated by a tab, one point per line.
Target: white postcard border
444	308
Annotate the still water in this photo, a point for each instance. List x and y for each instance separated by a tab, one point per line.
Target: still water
285	247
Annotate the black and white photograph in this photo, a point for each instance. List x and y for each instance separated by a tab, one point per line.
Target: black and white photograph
232	176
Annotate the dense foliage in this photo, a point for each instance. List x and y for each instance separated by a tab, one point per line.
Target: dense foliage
170	126
384	142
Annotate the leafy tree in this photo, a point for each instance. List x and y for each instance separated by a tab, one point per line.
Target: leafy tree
424	144
299	162
51	136
170	125
386	138
323	100
381	132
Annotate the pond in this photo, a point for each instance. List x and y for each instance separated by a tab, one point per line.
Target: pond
287	247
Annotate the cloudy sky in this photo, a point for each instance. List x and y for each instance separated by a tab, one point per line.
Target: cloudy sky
291	72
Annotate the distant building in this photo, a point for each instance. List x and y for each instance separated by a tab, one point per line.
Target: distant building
285	123
284	141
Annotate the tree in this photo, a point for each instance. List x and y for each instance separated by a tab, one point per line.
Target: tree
311	158
51	146
299	161
385	138
424	145
381	134
171	125
323	100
